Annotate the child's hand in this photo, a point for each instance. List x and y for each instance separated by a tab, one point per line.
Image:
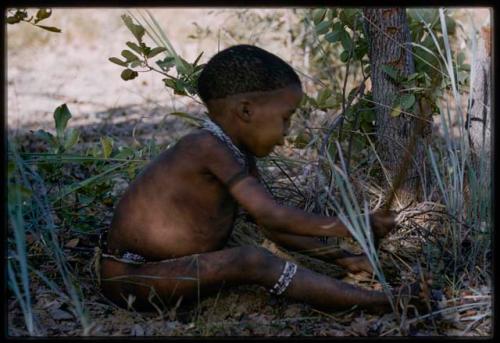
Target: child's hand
382	223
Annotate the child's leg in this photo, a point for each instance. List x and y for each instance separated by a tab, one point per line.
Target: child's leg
206	273
313	247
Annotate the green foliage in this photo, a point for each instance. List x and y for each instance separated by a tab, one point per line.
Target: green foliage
184	83
64	140
341	32
107	146
16	16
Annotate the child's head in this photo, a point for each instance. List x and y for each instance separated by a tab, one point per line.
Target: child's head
252	94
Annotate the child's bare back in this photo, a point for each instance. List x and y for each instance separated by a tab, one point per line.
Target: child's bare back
176	206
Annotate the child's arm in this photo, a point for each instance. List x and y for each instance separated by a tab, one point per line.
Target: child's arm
254	198
275	217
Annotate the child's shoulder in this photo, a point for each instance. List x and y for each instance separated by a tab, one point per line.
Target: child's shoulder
201	143
199	140
205	148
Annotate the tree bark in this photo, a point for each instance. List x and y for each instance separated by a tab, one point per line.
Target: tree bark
389	39
479	119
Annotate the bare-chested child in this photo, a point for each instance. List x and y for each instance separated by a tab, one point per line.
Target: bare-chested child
169	230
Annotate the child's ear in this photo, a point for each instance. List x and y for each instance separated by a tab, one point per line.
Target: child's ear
244	111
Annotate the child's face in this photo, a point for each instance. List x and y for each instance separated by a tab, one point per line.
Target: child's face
270	119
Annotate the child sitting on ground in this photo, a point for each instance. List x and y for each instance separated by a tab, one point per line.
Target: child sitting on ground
169	229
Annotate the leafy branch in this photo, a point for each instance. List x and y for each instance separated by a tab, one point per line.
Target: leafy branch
140	55
21	15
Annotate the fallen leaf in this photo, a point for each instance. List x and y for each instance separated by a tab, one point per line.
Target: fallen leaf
72	243
293	311
59	314
360	325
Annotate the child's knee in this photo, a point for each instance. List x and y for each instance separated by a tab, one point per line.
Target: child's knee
255	257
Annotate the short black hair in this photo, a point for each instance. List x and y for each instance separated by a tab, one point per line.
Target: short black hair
244	68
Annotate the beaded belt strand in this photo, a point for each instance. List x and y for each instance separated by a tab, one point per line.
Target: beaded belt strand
215	130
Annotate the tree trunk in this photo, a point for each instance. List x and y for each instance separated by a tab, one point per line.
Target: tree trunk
389	35
479	119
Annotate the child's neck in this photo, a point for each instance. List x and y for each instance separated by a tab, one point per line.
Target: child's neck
216	130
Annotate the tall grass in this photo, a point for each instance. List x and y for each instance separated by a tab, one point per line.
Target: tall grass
463	176
32	213
357	220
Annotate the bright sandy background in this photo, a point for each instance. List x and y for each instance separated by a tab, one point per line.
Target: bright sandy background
46	69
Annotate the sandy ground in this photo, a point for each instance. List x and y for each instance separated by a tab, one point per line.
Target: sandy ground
47	69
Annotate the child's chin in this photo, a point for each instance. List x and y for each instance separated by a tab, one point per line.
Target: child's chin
264	153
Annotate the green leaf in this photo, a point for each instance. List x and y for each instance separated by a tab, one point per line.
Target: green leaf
49	28
318	15
332	37
361	50
13	20
323	27
135	47
428	15
107	146
11	167
145	49
137	30
124	152
331	13
331	102
396	111
407	101
129	74
46	136
347	16
180	87
391	71
450	25
22	14
323	95
170	83
117	61
166	63
61	117
344	56
129	55
135	64
71	137
183	67
346	40
42	14
367	116
156	51
131	170
412	76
